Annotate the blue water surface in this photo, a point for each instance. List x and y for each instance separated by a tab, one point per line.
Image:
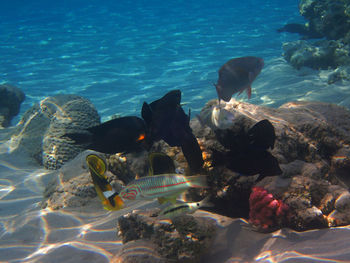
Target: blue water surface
121	53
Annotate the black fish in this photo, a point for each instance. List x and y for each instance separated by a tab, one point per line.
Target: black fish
247	151
166	120
262	135
160	163
125	134
237	75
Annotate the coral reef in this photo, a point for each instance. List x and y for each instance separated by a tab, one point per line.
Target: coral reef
41	129
312	140
10	102
312	203
329	19
311	146
321	54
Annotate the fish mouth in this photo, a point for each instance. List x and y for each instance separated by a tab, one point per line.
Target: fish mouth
221	94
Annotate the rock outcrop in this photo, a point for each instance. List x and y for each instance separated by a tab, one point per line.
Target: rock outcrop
330	19
10	102
183	239
311	147
312	144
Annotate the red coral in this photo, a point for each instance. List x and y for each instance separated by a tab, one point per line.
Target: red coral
266	212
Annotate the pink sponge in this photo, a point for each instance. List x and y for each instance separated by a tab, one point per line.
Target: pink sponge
266	212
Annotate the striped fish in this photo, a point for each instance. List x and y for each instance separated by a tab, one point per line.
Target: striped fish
164	185
108	196
176	210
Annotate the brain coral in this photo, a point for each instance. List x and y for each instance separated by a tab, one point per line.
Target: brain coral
69	114
40	131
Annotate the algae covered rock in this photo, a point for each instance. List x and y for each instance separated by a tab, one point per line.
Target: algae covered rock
330	18
10	101
184	239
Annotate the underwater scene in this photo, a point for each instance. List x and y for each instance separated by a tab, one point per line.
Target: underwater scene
175	131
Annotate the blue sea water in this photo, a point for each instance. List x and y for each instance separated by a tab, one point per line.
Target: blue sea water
119	54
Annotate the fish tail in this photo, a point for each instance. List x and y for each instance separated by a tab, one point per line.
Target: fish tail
198	181
206	202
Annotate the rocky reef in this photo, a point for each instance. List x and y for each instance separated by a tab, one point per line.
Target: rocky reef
309	190
184	239
329	20
10	102
40	131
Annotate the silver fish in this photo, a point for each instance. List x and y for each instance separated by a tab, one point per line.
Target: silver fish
175	210
160	186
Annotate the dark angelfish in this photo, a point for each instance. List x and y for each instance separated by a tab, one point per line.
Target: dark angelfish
125	134
248	153
237	75
166	120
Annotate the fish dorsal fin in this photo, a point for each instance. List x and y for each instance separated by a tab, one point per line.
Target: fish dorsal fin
160	163
172	97
262	135
146	112
170	199
163	200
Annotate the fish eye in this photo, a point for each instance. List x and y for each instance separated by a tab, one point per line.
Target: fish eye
197	204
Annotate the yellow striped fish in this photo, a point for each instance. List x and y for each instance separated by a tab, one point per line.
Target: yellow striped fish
110	198
164	185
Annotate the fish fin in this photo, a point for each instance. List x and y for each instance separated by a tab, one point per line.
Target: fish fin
146	112
172	97
171	199
206	202
249	91
160	163
80	138
198	181
192	152
262	135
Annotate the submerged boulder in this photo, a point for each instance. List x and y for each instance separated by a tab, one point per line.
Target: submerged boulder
10	102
